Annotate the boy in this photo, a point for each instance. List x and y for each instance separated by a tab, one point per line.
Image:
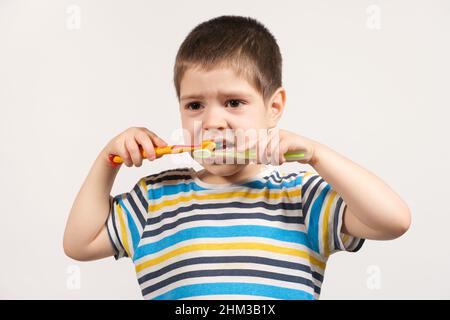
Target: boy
233	230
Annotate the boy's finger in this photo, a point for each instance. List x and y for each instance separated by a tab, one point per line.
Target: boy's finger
272	147
128	161
133	149
156	139
146	143
125	155
161	141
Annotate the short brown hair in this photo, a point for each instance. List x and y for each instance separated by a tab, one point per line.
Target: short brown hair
241	43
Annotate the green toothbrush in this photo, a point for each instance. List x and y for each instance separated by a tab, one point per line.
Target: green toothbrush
245	155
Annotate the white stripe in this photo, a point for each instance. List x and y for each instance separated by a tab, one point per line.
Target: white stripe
322	218
339	226
142	211
114	236
178	204
306	194
236	208
228	266
229	279
307	215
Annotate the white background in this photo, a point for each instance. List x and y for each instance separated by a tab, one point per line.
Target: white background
378	96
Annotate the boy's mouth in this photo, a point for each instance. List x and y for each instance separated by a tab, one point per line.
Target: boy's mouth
224	144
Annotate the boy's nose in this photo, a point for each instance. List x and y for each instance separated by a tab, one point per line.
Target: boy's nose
214	119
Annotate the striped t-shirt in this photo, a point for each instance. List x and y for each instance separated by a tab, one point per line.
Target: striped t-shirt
267	237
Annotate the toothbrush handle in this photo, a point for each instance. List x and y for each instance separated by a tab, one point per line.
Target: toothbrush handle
116	160
295	155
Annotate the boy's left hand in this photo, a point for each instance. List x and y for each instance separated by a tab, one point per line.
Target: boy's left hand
271	149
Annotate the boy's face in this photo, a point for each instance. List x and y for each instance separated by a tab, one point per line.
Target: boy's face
218	104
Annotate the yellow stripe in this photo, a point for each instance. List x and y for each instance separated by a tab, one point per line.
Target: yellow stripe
326	216
123	231
344	239
230	246
226	195
307	174
143	185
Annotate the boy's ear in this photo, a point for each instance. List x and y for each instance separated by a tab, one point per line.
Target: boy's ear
276	106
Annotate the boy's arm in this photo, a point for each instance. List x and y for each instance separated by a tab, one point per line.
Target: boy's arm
86	237
374	210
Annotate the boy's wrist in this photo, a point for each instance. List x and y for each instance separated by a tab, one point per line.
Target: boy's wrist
316	150
104	160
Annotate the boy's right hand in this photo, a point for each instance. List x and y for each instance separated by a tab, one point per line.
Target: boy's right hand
126	145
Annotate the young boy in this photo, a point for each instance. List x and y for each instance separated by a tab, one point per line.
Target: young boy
233	230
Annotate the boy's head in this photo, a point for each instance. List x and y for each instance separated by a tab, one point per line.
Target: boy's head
227	76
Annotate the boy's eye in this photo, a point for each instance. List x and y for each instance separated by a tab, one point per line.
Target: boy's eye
234	103
194	106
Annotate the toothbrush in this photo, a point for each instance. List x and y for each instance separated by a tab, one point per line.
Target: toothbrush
247	155
207	145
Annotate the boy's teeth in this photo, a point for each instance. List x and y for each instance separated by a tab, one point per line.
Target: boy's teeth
228	146
223	144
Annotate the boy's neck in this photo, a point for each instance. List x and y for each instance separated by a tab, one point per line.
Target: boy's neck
247	172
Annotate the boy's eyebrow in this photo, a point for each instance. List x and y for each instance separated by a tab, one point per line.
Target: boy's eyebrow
221	94
192	96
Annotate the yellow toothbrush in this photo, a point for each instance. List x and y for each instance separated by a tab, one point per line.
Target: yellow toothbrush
209	145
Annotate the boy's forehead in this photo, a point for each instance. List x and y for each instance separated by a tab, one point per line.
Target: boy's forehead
198	83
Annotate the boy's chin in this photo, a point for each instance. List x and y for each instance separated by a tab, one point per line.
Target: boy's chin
223	169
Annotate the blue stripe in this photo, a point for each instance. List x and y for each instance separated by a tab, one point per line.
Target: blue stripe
235	288
157	193
257	184
131	226
222	232
169	190
314	219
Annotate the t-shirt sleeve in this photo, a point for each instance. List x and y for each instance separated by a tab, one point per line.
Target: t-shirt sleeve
323	209
127	219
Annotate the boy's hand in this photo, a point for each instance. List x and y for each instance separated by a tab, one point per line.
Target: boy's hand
271	149
126	145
